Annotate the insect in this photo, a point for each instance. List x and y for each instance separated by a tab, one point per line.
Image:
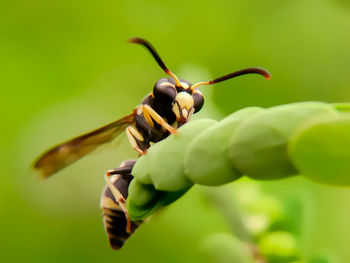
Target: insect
169	106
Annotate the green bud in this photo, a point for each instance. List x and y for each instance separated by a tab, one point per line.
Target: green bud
321	150
206	159
141	194
138	210
166	164
140	170
258	148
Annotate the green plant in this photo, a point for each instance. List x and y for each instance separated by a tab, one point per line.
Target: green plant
308	138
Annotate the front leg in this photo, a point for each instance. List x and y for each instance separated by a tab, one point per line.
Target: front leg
150	115
143	131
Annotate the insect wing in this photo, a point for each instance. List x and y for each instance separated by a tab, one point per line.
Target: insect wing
68	152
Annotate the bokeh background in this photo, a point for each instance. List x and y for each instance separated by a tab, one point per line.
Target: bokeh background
66	68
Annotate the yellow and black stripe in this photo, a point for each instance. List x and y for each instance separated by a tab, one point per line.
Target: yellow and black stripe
115	216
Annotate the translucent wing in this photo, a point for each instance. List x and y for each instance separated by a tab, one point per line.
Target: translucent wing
68	152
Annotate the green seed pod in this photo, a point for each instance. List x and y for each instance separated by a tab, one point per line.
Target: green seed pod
139	212
321	150
140	170
143	200
141	194
141	208
258	148
165	161
167	198
206	159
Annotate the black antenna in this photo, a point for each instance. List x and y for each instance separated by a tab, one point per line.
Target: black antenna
153	51
260	71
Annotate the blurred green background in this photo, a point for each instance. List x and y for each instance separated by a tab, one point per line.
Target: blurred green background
65	68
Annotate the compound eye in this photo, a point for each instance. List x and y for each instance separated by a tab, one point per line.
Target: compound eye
165	91
198	100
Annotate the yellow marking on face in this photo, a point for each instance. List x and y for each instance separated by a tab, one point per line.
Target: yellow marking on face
184	100
176	110
185	85
185	113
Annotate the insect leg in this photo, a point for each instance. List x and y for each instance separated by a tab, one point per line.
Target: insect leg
118	225
146	115
118	196
134	136
149	112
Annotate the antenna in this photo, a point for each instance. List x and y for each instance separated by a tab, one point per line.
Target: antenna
156	56
260	71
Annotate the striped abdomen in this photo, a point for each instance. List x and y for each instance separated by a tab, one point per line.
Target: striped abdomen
114	215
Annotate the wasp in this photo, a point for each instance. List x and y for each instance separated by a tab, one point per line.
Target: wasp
169	106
